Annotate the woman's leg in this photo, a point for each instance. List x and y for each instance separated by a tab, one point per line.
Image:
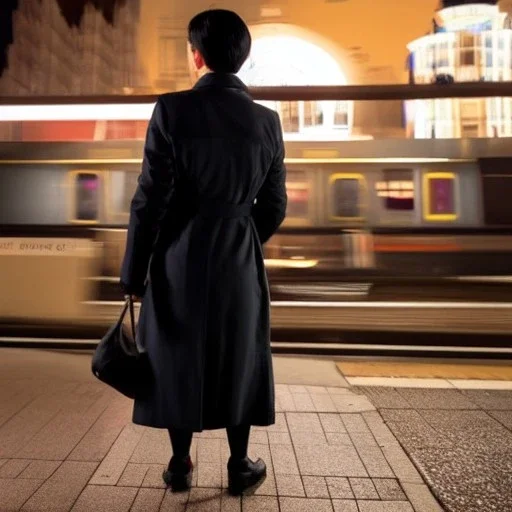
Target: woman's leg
244	475
238	438
180	440
179	471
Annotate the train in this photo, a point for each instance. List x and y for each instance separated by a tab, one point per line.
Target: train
366	220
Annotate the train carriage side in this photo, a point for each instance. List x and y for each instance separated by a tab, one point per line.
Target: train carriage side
433	211
46	251
416	215
411	215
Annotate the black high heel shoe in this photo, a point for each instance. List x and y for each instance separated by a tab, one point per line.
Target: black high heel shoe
178	475
245	476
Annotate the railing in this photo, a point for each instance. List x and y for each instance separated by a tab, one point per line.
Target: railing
307	93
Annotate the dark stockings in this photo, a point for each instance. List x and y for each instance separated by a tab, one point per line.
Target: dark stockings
181	440
238	438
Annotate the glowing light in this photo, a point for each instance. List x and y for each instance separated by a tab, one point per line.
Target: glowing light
289	60
395	189
474	47
286	60
106	112
291	263
472	17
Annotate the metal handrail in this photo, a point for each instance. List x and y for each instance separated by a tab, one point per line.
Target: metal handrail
395	92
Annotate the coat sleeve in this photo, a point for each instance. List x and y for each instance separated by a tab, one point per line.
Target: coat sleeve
270	208
156	185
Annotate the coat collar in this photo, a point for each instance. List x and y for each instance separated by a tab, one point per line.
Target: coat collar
221	80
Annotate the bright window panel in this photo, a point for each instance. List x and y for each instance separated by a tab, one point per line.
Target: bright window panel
397	190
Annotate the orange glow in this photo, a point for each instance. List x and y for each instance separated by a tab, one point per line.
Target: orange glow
68	131
371	36
416	248
57	131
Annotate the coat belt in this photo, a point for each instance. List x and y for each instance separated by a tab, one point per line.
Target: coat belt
225	210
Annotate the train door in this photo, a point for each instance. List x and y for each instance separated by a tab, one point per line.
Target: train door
349	206
496	175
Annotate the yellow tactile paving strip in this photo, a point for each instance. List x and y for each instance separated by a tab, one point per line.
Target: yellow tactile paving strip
425	370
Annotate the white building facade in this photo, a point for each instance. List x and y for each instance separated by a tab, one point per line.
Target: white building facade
473	42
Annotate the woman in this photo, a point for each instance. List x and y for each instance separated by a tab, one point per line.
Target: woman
212	190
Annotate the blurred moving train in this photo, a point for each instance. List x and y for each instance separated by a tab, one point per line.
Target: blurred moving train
359	212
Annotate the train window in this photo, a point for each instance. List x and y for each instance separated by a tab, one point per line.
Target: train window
439	203
396	189
346	196
298	190
87	196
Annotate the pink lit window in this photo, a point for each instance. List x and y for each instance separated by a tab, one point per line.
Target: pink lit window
442	196
87	196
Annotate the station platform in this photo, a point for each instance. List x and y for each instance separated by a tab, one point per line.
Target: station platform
338	445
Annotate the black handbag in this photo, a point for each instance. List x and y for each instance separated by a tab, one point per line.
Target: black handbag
118	362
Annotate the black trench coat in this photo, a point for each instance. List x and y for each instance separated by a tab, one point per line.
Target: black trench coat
210	153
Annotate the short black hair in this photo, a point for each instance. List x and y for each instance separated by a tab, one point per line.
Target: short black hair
222	38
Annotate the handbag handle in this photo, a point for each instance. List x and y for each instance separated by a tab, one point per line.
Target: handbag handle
128	305
132	317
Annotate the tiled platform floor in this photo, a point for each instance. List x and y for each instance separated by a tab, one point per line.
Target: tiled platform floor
67	443
460	439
